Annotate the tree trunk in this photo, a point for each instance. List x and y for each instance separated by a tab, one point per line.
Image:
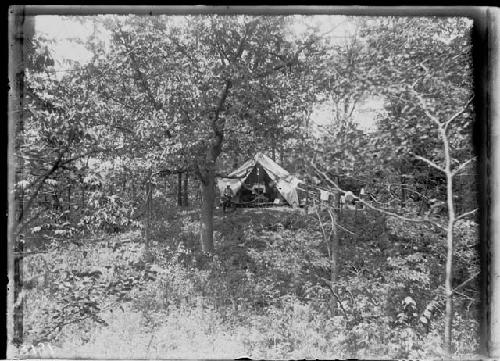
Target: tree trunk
334	254
179	189
308	189
423	201
207	173
207	213
282	156
69	202
186	186
334	243
403	191
448	327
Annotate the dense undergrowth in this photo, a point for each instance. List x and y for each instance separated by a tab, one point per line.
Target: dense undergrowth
265	292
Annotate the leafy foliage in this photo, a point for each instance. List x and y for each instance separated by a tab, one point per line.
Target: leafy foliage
107	253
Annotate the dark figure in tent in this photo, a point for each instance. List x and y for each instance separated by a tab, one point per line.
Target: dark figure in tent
246	194
226	198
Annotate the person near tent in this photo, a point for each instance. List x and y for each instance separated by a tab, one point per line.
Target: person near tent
226	198
273	192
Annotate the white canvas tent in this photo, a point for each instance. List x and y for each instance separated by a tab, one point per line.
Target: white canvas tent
285	182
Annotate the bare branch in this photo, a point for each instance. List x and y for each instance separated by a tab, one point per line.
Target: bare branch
40	182
462	166
466	214
141	76
217	125
425	109
345	229
466	281
430	162
447	123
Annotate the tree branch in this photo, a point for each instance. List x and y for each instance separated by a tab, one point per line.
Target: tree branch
40	181
447	123
425	109
430	162
466	214
466	281
156	105
218	123
462	166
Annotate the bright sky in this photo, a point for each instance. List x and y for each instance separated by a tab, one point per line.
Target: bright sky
68	34
364	114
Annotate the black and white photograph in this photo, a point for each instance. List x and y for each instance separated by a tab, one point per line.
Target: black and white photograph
238	184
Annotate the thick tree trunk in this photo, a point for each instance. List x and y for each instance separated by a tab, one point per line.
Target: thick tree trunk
206	173
186	193
207	212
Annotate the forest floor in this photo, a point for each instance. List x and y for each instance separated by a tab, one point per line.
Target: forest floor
261	295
